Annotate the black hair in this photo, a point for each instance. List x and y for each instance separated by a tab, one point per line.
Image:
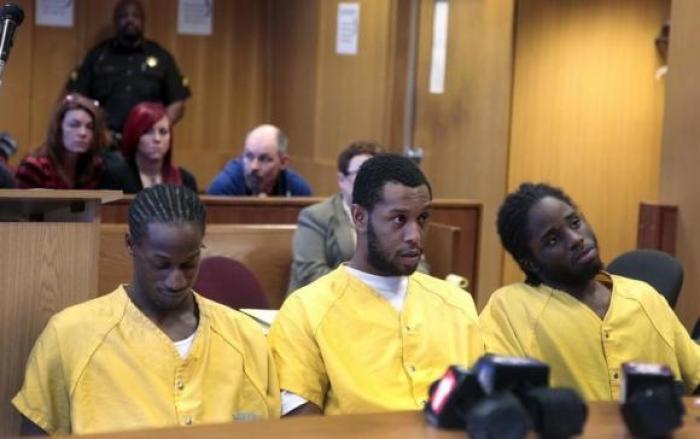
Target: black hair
165	204
380	170
513	221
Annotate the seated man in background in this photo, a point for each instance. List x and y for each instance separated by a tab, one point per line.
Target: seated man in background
570	313
152	353
373	334
325	237
262	169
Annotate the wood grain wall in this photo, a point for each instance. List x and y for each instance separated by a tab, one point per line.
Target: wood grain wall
681	149
587	109
227	72
325	100
464	131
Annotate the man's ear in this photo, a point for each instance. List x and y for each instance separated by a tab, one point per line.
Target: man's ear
129	243
284	160
360	216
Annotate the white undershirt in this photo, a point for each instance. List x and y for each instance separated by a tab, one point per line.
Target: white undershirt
184	346
353	232
391	288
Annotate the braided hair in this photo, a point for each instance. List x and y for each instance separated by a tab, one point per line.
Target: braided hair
165	204
513	221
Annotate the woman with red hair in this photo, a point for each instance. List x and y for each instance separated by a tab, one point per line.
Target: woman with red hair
70	156
146	146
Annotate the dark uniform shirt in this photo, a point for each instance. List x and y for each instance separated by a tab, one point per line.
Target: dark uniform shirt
119	77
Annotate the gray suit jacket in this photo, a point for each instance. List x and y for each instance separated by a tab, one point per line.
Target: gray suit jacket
323	240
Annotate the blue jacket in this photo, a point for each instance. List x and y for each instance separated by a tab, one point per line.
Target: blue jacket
231	181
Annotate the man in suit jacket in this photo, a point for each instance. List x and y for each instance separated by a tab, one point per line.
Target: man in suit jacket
325	236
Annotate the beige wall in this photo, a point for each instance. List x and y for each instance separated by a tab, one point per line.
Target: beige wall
587	110
681	148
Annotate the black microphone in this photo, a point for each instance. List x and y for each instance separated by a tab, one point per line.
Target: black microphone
11	17
651	403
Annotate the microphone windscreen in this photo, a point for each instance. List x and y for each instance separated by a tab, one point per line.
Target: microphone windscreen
13	12
498	416
556	413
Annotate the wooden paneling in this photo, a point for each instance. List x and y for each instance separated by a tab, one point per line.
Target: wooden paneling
657	227
265	249
46	266
441	247
464	131
466	215
325	100
227	73
48	270
681	151
587	109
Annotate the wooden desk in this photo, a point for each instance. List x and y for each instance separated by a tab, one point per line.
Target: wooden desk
464	214
604	421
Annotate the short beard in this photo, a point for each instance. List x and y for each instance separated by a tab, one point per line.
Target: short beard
254	183
586	274
376	257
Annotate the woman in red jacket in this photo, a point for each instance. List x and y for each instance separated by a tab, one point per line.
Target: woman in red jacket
70	156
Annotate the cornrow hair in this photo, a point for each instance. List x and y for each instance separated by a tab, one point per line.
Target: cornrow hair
512	221
165	204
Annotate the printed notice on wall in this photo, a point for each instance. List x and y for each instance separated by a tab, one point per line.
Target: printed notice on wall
194	17
438	60
348	28
57	13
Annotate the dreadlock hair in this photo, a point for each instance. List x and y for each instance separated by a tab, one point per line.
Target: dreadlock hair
513	221
165	204
380	170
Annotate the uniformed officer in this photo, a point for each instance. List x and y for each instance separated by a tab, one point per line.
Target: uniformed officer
127	69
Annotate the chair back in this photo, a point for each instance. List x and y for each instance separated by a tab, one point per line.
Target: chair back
229	282
660	270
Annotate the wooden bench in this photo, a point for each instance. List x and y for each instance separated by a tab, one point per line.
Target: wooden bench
463	214
265	249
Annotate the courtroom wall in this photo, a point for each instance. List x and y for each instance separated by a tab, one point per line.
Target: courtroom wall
681	149
326	100
587	109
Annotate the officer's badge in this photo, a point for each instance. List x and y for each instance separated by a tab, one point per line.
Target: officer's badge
151	61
